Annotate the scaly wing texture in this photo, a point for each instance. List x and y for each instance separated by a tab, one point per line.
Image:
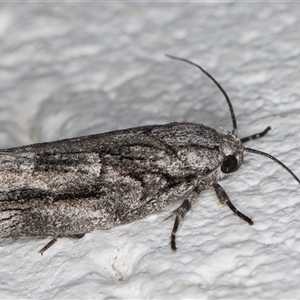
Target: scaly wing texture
102	181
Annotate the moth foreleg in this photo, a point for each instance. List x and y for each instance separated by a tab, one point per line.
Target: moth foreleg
179	214
255	136
224	199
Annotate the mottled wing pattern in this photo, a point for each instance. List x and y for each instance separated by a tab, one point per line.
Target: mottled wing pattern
96	182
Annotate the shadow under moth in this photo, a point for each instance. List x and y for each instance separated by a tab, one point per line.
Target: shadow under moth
74	186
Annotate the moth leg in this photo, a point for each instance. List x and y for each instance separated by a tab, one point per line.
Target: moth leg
255	136
48	245
179	214
224	199
53	241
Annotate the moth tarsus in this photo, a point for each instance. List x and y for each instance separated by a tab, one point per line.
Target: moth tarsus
54	240
224	199
48	245
179	214
256	135
74	186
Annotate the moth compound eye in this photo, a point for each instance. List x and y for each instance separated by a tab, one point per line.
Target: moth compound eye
229	164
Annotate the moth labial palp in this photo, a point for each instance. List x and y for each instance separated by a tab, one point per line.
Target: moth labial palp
74	186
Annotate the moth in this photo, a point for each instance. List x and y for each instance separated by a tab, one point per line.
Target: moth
74	186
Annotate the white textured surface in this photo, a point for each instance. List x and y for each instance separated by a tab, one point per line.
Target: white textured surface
81	68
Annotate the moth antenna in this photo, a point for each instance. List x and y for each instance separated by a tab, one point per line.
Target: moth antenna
274	159
234	124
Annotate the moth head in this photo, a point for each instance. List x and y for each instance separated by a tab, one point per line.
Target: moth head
233	154
233	150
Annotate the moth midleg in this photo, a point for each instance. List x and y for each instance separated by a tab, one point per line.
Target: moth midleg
255	136
179	214
224	199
